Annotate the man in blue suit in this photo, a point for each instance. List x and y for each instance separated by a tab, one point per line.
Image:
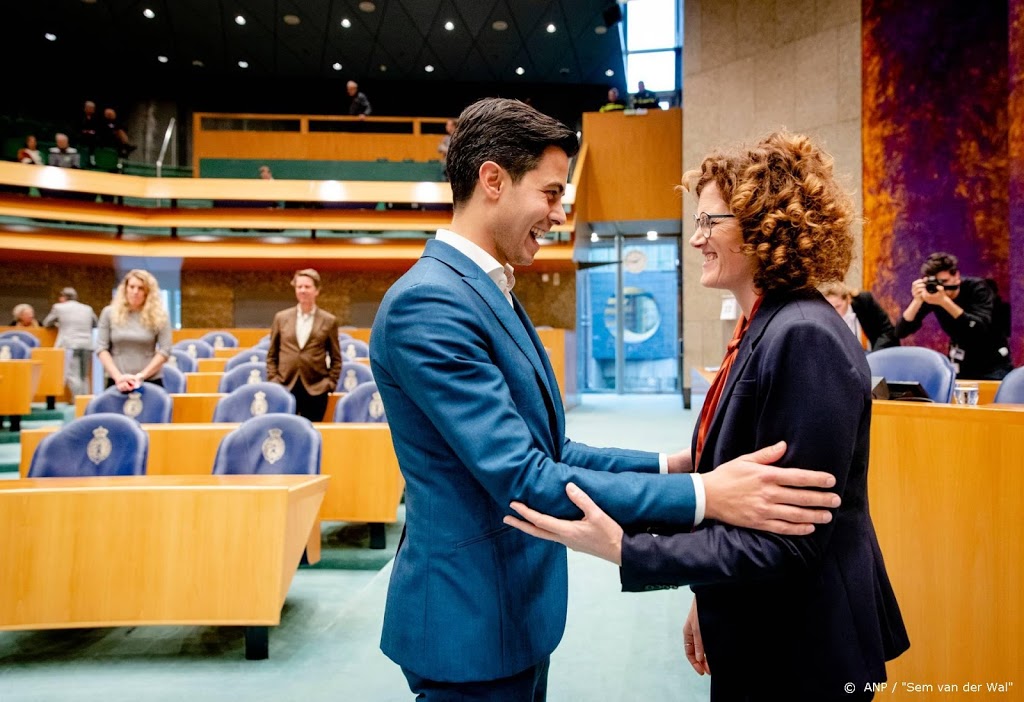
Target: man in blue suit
475	608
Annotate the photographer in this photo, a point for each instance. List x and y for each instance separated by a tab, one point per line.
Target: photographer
964	308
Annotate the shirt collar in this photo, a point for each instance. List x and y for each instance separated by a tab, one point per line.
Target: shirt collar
503	276
300	313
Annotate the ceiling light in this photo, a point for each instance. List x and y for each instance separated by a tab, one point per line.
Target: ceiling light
551	29
428	68
600	29
564	71
197	63
449	25
50	36
148	13
243	64
383	68
161	59
346	23
239	20
336	66
652	235
291	20
520	71
499	25
367	6
609	73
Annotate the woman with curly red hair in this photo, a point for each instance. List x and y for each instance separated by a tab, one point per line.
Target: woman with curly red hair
793	617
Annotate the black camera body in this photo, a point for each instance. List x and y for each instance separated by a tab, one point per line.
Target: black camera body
932	284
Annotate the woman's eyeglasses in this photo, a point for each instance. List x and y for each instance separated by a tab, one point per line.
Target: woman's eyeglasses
705	221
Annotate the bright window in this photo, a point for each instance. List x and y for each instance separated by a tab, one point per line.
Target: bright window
651	24
657	69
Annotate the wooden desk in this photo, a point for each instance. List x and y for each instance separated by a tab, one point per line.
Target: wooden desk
153	550
987	390
202	382
19	381
226	353
946	488
51	381
211	365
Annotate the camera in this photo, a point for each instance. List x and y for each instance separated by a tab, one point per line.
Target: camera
932	284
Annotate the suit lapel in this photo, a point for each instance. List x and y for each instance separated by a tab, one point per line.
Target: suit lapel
551	383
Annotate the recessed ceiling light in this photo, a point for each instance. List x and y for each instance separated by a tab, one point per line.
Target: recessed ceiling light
161	59
367	6
336	66
449	25
652	235
197	63
383	68
346	23
520	71
243	64
239	20
551	29
499	25
148	13
600	29
609	73
291	20
428	68
50	36
564	71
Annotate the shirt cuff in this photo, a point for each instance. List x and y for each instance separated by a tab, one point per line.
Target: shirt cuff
698	499
663	463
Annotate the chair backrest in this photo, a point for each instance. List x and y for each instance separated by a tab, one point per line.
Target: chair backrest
353	374
241	375
174	379
195	348
13	349
263	343
930	368
343	337
354	348
24	337
1011	390
271	443
220	340
253	355
363	404
147	404
97	444
253	400
182	361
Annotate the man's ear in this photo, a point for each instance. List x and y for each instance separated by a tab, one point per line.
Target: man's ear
492	179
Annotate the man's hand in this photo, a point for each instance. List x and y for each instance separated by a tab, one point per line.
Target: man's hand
596	534
680	462
693	643
748	492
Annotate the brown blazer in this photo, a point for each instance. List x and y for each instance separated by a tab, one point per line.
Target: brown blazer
287	363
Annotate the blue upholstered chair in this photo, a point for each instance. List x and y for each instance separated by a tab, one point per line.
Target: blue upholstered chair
253	400
242	375
148	403
354	374
354	348
268	444
253	355
24	337
930	368
263	343
195	348
182	361
97	444
174	379
343	337
1011	390
11	349
220	340
363	404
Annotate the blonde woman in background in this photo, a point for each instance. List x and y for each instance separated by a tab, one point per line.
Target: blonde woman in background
134	339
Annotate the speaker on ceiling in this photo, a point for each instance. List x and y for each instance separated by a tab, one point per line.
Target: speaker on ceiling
612	15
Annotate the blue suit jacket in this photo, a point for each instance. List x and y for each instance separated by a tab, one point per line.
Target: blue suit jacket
800	614
477	422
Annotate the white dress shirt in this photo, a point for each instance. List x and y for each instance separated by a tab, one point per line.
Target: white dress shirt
303	325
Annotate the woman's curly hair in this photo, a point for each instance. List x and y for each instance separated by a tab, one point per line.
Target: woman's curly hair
794	216
153	315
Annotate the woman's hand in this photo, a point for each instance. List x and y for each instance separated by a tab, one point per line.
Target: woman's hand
693	643
596	534
127	383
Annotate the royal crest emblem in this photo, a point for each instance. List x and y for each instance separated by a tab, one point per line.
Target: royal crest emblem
172	362
218	342
5	353
351	381
376	406
273	446
254	359
258	405
254	377
191	351
133	405
99	447
350	352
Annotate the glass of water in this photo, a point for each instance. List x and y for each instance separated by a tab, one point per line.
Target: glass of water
965	393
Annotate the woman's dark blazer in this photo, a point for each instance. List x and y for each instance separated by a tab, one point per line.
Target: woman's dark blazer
796	616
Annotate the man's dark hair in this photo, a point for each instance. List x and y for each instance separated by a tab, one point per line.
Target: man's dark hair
939	262
508	132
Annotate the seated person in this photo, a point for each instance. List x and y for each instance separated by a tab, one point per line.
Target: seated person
63	155
965	309
614	102
24	316
863	315
29	153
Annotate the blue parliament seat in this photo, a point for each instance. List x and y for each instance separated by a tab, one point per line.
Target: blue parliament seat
930	368
147	404
95	445
363	404
354	348
12	349
195	348
174	379
253	355
220	340
24	337
243	374
182	361
354	374
254	400
1011	390
270	444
